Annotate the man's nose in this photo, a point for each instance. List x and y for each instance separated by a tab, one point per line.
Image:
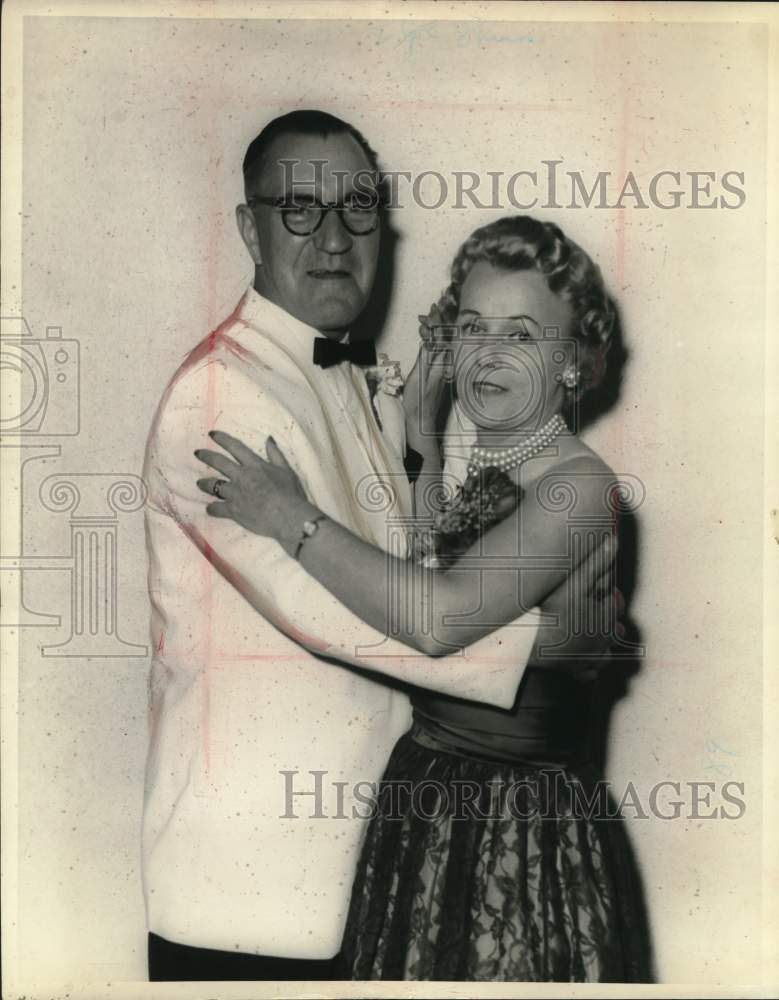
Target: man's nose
332	236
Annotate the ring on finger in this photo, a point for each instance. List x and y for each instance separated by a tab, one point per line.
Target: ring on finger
216	489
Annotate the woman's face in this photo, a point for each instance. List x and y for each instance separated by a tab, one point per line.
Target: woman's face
513	347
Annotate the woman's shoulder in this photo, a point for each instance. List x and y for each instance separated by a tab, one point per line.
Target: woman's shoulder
580	479
582	458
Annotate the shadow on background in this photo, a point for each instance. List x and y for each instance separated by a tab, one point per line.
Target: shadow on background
371	322
611	686
613	682
606	397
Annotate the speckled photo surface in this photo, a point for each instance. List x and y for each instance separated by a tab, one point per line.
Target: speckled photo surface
647	132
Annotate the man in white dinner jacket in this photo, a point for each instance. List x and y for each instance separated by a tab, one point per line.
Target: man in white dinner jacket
255	702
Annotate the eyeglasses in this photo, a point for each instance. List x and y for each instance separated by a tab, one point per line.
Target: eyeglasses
360	216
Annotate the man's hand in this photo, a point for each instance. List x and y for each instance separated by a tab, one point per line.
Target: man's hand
583	615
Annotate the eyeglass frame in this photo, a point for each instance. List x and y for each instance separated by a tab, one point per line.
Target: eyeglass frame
324	208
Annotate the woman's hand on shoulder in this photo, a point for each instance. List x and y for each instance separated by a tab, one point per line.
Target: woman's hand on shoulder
265	496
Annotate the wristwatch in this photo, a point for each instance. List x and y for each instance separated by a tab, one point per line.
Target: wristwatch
309	529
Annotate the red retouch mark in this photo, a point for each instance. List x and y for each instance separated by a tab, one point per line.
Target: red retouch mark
243	586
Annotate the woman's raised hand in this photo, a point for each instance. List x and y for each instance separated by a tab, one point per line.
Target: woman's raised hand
424	394
264	496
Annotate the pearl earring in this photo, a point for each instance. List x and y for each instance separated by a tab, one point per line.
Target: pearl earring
571	377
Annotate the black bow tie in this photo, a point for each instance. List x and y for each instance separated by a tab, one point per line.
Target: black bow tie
331	352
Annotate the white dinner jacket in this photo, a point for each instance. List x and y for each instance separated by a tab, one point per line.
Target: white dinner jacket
251	709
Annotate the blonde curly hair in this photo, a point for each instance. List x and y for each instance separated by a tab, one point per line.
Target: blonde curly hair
519	243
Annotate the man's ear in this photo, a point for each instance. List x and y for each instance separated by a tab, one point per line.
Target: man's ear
247	227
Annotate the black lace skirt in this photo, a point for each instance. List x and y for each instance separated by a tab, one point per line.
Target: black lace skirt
479	870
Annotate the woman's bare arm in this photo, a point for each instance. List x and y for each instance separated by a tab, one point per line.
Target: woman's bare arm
498	579
511	569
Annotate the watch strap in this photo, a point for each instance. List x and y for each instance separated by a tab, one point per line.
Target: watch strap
309	528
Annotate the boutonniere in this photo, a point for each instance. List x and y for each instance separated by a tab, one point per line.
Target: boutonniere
385	376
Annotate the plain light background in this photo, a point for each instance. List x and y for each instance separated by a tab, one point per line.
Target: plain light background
134	131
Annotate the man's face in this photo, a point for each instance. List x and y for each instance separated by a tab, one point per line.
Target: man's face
324	278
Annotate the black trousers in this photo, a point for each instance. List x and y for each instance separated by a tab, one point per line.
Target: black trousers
171	962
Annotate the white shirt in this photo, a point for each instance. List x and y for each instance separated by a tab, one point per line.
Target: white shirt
241	694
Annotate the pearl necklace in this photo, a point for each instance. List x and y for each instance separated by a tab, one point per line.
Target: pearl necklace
506	459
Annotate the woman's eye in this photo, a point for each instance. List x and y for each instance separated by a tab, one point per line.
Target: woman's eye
519	335
473	328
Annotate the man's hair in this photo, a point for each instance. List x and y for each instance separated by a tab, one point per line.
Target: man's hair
522	243
318	123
